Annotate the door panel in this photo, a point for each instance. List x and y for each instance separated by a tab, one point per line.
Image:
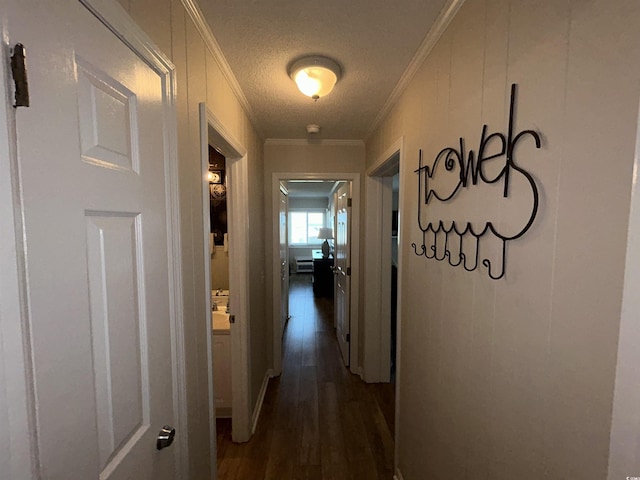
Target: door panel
108	117
122	405
342	269
91	152
284	259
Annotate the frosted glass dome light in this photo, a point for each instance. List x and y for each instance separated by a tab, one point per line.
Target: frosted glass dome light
315	76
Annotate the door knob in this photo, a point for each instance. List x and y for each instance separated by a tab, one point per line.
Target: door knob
165	437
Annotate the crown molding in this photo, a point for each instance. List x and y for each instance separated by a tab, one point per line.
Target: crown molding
447	14
305	142
213	46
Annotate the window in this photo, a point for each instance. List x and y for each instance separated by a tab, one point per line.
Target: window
304	226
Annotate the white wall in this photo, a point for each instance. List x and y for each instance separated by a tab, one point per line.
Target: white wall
514	378
219	268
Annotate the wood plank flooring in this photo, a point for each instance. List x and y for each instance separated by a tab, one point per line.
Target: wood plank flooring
318	421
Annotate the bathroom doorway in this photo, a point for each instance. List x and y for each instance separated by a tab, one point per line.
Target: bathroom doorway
230	183
220	305
219	239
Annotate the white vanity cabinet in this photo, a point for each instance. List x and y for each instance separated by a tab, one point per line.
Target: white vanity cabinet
222	372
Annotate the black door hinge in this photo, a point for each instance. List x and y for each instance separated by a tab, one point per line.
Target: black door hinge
349	202
19	73
348	271
348	337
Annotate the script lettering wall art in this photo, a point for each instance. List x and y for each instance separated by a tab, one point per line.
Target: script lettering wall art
492	170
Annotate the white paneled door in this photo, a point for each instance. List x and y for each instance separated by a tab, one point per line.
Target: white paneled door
284	258
342	269
92	151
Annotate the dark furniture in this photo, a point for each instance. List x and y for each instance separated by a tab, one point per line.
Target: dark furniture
322	275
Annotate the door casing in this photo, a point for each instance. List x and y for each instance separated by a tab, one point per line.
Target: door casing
18	448
284	257
377	356
377	295
213	131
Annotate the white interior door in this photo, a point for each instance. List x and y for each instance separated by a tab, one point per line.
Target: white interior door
92	156
342	269
284	258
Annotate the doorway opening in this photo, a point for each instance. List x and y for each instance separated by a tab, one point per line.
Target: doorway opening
393	307
307	233
383	271
381	296
220	305
312	248
230	183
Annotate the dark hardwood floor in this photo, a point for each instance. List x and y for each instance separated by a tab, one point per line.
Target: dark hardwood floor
318	421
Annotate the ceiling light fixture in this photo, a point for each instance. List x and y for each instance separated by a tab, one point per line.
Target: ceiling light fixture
313	129
315	75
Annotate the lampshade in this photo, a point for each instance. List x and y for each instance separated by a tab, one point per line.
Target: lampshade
325	233
315	76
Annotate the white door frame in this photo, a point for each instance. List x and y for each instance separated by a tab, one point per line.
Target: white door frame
354	178
18	448
213	131
16	381
377	295
377	323
284	309
624	440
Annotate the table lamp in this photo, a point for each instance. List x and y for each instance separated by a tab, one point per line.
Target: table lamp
325	233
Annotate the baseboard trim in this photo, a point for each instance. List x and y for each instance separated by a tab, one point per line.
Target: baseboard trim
258	408
398	475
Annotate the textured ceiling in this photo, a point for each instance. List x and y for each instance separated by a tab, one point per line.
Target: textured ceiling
374	42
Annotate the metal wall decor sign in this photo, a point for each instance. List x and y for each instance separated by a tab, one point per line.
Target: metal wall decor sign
457	240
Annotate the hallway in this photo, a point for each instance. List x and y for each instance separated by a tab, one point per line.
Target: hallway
318	420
